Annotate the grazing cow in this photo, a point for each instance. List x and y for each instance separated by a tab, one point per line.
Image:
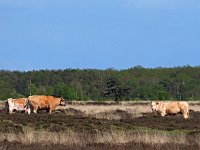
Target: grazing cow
48	103
16	104
165	108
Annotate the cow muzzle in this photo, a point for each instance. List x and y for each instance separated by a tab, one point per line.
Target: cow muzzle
62	103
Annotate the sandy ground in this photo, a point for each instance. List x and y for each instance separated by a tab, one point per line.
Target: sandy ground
137	109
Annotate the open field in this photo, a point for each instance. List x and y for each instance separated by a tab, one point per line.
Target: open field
100	126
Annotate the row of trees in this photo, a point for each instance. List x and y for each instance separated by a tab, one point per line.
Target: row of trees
136	83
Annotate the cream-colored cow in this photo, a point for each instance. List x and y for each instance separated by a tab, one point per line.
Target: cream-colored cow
174	107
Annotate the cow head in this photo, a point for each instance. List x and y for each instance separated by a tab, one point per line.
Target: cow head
62	102
9	104
10	101
154	106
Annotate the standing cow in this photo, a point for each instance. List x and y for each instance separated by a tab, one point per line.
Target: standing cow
165	108
49	103
16	104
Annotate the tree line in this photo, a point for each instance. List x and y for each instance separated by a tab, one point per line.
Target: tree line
136	83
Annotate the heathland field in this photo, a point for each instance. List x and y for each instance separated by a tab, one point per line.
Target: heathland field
103	125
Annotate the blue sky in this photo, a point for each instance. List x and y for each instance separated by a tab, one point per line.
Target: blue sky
98	34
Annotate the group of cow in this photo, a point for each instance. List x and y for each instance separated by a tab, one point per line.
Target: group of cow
36	102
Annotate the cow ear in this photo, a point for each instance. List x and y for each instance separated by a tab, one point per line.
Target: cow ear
9	100
149	102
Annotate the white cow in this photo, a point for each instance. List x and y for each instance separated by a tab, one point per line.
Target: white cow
16	104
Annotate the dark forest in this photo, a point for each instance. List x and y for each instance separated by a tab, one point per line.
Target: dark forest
136	83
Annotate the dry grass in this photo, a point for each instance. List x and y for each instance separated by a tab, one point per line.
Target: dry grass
29	136
106	111
123	137
197	139
69	137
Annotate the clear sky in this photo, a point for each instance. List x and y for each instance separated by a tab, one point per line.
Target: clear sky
98	34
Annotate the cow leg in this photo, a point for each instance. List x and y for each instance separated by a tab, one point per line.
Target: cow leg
50	111
35	111
10	111
163	114
188	114
185	115
29	111
25	110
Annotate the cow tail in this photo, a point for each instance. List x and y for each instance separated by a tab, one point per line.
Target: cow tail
27	106
26	103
